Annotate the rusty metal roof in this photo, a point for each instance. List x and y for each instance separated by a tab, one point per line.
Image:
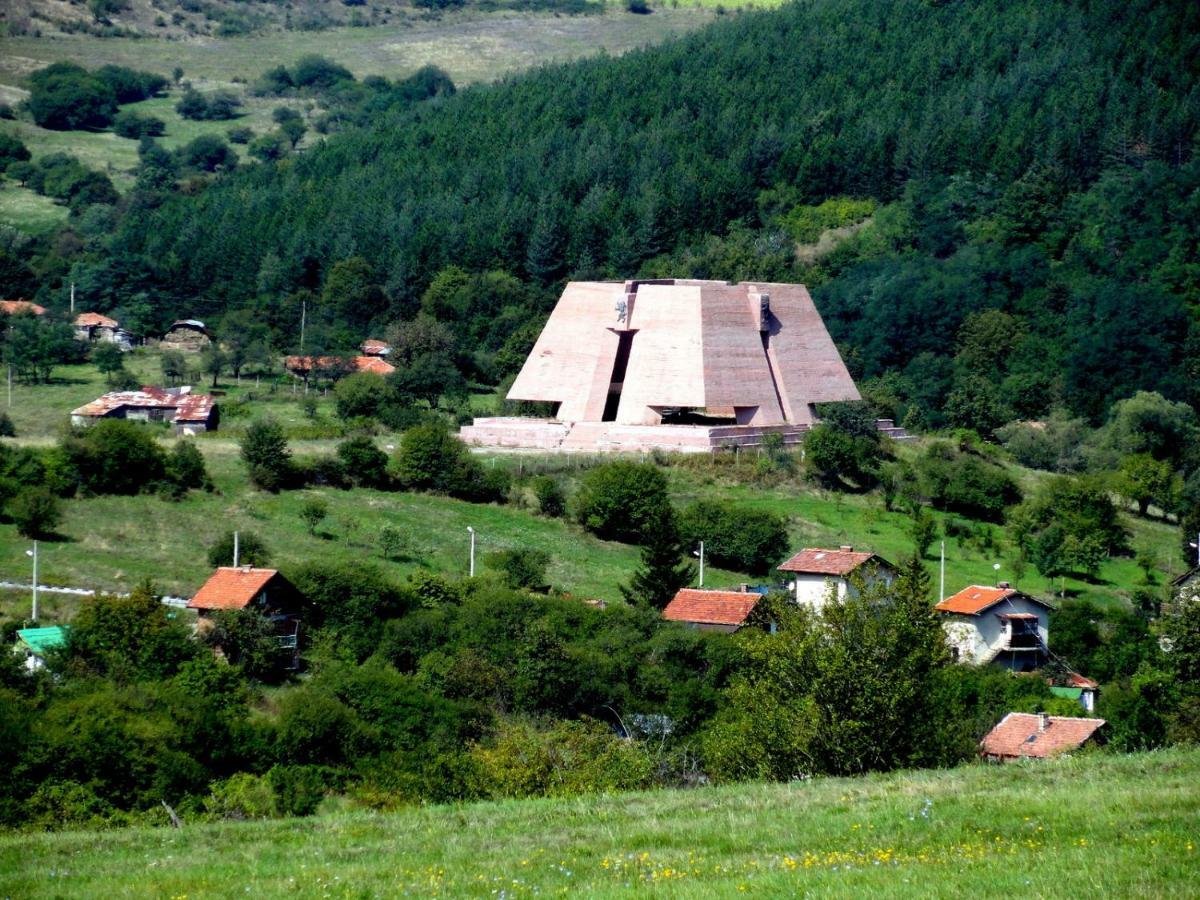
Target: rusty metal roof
187	407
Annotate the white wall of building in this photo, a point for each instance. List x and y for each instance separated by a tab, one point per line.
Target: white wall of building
977	637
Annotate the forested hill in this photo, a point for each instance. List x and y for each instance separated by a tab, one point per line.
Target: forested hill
600	167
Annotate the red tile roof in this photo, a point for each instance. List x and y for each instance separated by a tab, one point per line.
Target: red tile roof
94	320
12	307
372	347
298	365
710	607
1081	681
188	407
814	561
1018	735
231	588
973	600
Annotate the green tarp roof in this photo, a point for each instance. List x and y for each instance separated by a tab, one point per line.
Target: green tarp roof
1070	693
39	640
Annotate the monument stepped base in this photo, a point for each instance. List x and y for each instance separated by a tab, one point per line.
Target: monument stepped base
605	437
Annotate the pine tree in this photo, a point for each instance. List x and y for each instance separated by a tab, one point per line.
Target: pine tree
663	569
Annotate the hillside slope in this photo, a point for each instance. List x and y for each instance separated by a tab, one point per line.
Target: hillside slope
1094	825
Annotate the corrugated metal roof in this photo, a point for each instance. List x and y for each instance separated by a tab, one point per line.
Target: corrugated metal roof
187	407
40	640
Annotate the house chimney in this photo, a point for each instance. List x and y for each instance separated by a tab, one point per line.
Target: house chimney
847	548
1003	584
1043	721
743	588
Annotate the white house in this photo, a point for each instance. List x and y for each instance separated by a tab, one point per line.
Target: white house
815	572
996	625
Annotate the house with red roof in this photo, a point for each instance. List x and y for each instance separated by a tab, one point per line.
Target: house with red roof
335	367
817	574
711	610
998	624
96	327
1038	736
264	591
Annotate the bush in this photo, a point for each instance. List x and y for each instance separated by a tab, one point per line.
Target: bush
12	150
35	511
623	501
185	466
365	464
359	395
129	124
131	85
429	458
115	457
523	568
313	513
265	452
251	550
743	540
837	459
393	542
66	97
221	105
6	426
240	135
966	483
241	797
550	497
318	72
207	153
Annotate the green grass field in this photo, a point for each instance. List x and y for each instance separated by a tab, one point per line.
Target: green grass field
1093	825
115	542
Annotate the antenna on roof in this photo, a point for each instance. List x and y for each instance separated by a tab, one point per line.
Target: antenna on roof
235	549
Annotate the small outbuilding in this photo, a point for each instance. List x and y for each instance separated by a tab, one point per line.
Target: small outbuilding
814	573
34	643
96	328
1076	687
264	591
189	335
725	611
999	625
189	413
335	367
1038	736
373	347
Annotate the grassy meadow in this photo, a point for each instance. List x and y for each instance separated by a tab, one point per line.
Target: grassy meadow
115	542
1092	825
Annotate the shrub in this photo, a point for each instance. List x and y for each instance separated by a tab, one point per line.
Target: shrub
838	459
251	550
241	797
131	85
265	452
6	426
129	124
429	458
35	511
207	153
365	464
65	97
393	542
550	497
247	639
744	540
185	466
12	150
313	513
523	568
623	501
318	72
966	483
115	457
359	395
240	134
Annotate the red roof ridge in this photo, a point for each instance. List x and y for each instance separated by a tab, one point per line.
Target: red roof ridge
975	598
819	561
231	588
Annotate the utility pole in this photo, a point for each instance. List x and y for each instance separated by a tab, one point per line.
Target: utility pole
10	385
235	549
701	555
472	533
303	316
34	554
942	583
72	299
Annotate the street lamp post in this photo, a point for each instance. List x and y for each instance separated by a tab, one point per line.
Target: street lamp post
472	533
34	554
700	554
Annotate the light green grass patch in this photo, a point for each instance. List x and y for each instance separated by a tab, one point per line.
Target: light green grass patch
29	212
1093	825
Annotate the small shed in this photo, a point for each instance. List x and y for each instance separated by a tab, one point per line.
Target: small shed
1038	736
189	413
34	643
189	335
373	347
96	328
725	611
